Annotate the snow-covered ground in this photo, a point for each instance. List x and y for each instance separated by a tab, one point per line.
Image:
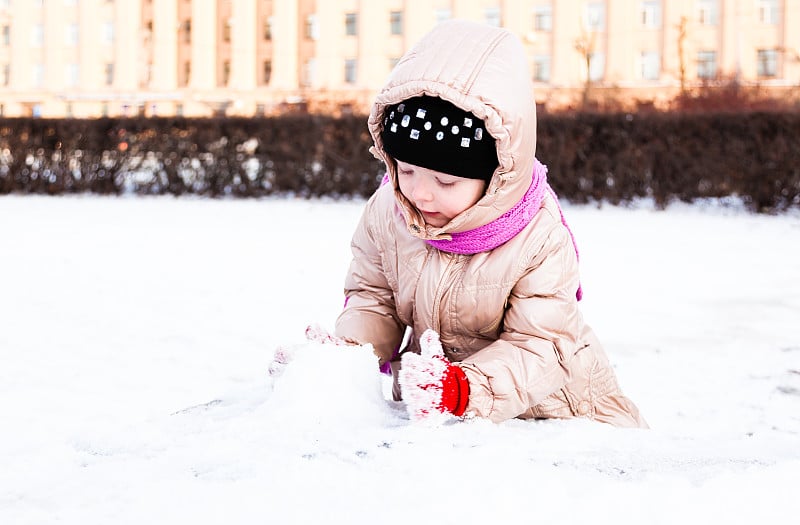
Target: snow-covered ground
136	333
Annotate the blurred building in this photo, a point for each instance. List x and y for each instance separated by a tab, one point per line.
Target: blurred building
90	58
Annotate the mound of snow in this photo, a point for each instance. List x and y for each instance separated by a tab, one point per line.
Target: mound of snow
326	387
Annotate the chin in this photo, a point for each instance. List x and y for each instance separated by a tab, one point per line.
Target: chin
437	221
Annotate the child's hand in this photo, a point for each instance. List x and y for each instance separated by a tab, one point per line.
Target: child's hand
282	357
430	384
314	333
318	334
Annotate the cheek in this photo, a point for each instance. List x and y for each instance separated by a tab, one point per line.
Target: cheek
457	201
404	185
468	196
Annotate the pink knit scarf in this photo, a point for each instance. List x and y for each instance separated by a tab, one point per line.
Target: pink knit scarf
504	228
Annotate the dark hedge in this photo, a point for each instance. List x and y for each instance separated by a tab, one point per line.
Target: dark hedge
666	156
302	154
612	158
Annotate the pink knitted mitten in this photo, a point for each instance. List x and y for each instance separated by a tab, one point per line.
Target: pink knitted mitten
430	384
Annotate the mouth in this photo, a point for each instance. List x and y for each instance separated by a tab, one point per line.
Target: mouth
433	218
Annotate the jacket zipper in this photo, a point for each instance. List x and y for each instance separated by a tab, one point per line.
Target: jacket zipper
437	299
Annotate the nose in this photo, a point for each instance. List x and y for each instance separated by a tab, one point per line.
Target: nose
421	191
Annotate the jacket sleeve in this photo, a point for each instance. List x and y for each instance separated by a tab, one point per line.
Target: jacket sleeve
530	359
370	315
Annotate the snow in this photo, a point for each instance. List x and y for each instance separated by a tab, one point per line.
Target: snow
136	335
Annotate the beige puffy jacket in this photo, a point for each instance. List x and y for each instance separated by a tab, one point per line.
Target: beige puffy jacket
508	317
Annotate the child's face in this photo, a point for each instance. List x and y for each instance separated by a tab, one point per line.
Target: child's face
438	196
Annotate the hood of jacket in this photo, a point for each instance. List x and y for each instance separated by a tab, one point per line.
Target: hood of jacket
483	70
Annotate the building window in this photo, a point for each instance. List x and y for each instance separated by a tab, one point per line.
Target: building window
597	66
706	65
768	11
147	75
108	32
708	12
492	16
443	14
541	68
543	18
37	35
649	65
350	70
37	72
350	24
312	27
187	31
226	73
71	35
5	75
266	72
650	14
309	72
268	28
71	75
109	73
179	110
396	22
68	111
187	73
595	17
6	36
767	63
226	30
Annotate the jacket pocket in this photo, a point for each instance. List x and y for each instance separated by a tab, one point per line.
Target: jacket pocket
491	330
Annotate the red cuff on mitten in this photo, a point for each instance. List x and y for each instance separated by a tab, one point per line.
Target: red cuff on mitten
455	391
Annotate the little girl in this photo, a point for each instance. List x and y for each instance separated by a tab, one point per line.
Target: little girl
466	245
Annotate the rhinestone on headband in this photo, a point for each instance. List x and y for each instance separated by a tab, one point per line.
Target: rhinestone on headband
415	133
441	136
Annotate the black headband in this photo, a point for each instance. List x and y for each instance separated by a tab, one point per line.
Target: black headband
433	133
